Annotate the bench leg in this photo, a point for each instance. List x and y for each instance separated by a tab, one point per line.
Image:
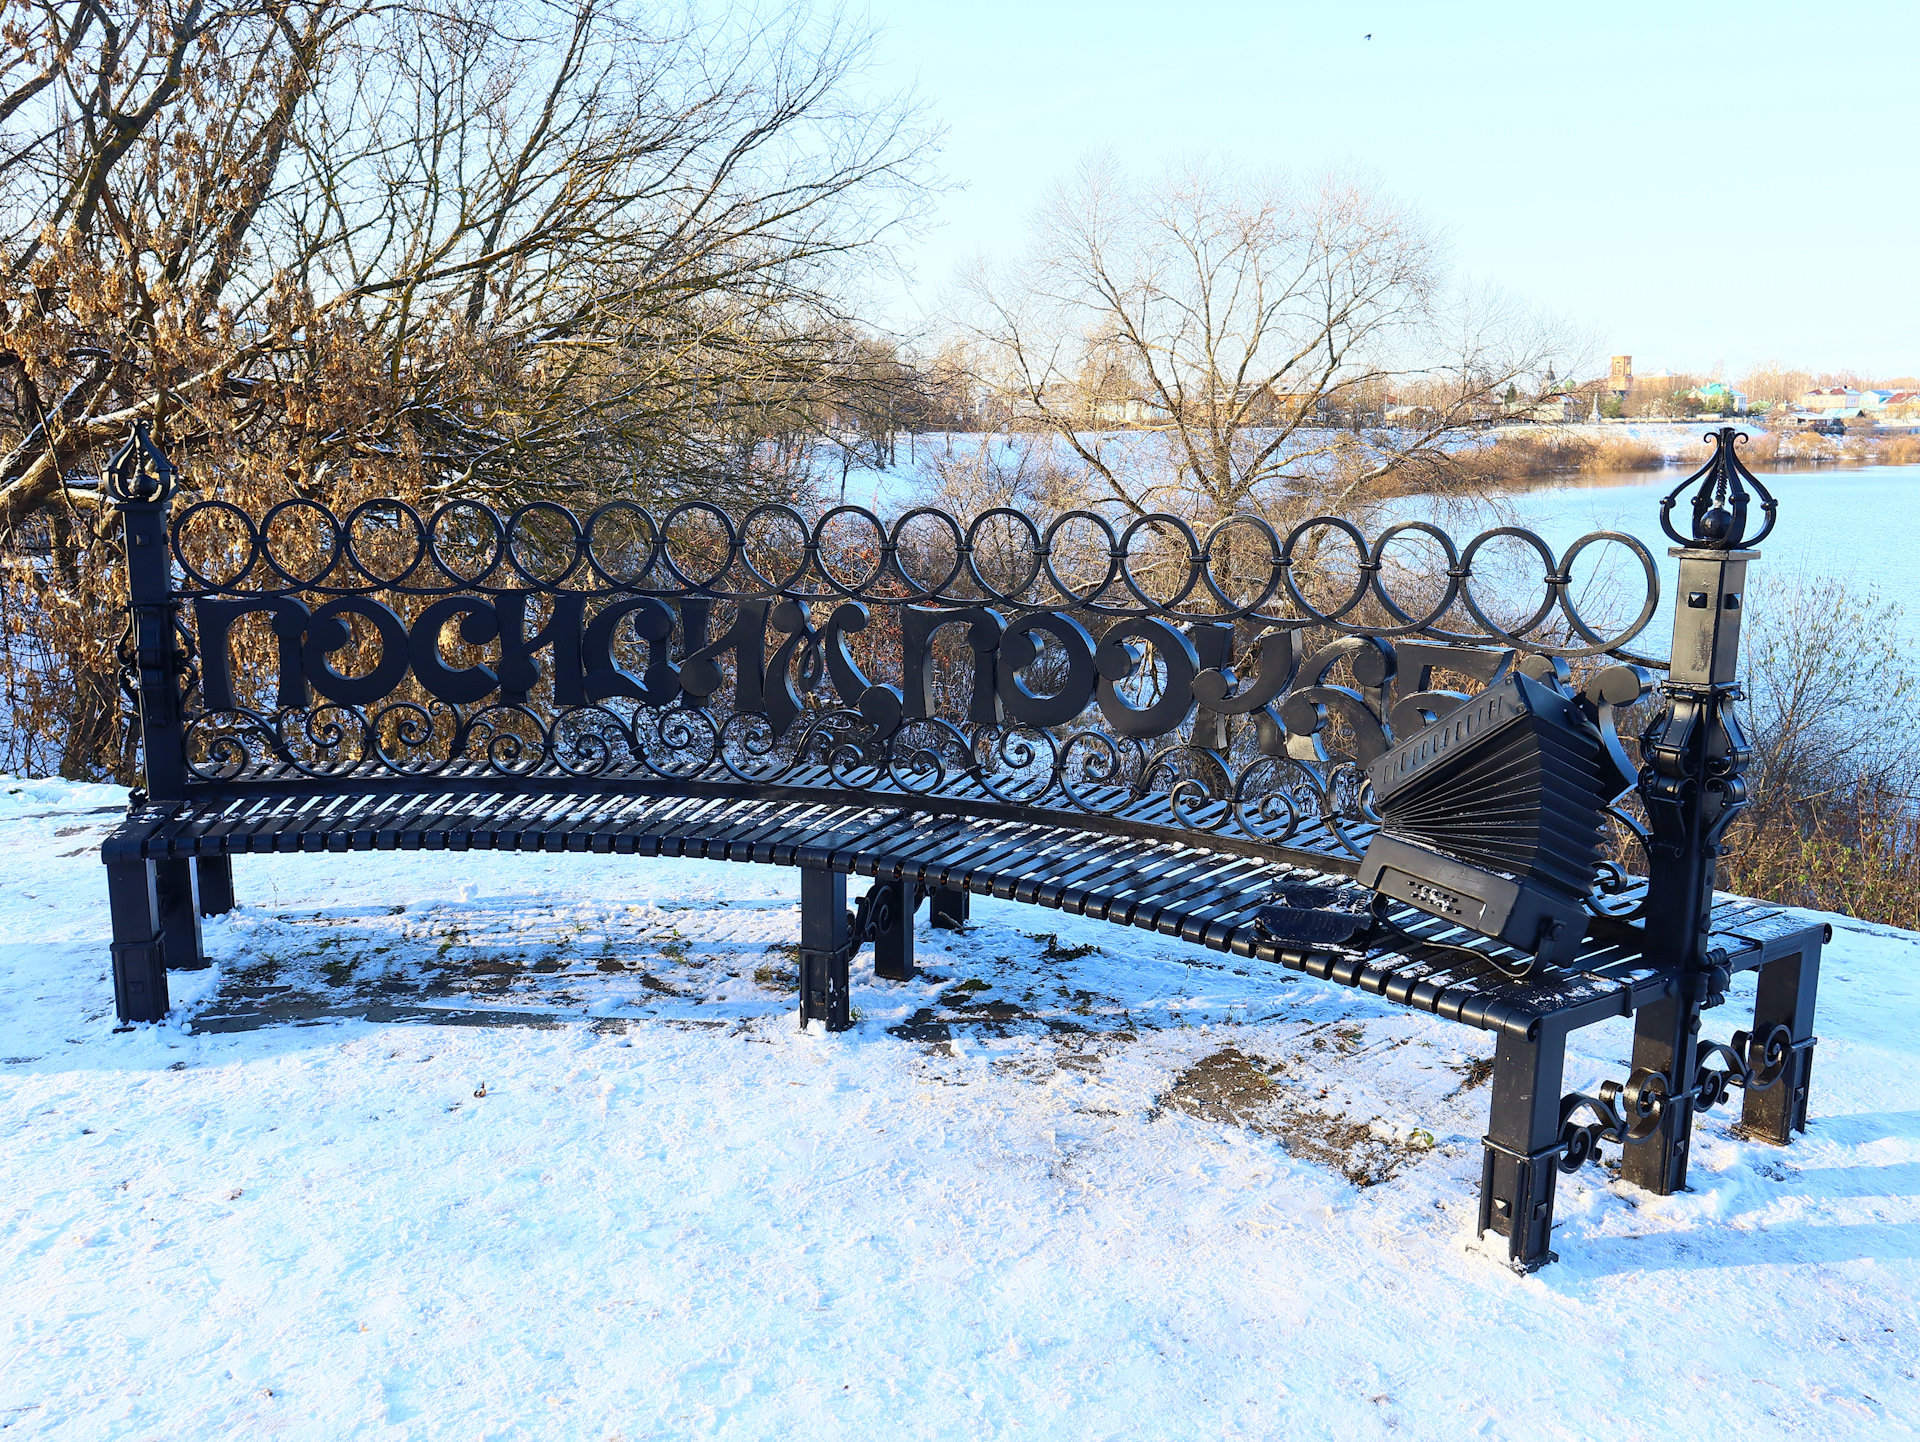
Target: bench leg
179	916
890	904
826	946
1786	995
1522	1160
139	956
213	884
948	909
1665	1040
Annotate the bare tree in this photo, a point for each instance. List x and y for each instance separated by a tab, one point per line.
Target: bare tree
351	247
1265	328
539	238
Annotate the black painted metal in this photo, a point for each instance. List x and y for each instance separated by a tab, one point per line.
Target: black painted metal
1692	787
1493	816
1522	1145
1170	762
949	910
826	948
1784	1000
885	918
1145	725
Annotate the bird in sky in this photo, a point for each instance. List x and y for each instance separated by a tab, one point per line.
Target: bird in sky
1369	36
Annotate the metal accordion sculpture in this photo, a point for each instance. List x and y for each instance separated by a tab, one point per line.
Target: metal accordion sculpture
1491	817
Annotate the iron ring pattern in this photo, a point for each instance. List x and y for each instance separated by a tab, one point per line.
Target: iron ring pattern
1146	628
435	567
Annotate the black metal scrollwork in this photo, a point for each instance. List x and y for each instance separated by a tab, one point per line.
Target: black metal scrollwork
1094	721
1719	521
621	549
873	912
139	471
1631	1113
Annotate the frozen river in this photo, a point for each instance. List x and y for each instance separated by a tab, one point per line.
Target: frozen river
1859	524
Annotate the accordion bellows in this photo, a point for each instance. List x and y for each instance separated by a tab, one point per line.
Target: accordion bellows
1492	817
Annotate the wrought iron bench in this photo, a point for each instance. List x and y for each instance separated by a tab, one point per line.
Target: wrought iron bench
1243	740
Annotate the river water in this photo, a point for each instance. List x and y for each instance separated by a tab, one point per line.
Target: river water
1859	524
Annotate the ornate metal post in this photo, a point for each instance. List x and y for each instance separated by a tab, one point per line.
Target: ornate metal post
885	918
1692	787
826	949
139	483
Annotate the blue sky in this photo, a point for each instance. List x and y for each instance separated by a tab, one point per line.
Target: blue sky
1685	183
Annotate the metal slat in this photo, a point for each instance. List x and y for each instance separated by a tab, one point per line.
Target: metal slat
1160	912
948	866
982	872
787	829
1176	886
206	835
924	847
1064	854
1114	893
1119	904
1086	888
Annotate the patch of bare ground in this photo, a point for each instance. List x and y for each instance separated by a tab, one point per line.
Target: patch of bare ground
1476	1073
989	1009
1080	1054
1233	1088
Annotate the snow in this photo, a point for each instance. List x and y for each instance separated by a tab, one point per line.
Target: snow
673	1214
978	459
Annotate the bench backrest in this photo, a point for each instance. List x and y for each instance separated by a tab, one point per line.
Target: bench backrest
1131	673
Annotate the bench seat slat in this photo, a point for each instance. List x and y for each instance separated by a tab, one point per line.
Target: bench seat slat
1168	886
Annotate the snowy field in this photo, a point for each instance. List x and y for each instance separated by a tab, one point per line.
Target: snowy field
1076	1182
919	462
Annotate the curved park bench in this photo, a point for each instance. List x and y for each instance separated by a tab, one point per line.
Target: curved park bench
1312	750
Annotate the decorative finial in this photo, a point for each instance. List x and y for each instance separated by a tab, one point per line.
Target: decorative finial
139	472
1720	505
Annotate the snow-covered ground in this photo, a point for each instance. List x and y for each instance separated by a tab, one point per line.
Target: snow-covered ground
1134	1194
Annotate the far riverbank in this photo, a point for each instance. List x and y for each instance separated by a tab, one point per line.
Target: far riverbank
1531	454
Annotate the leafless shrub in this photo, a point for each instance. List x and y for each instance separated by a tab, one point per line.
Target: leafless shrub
1833	704
349	250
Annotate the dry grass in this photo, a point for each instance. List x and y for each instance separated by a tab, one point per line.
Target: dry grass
1899	451
1832	708
1234	1089
1799	447
1623	453
1857	855
1515	458
1860	857
1511	459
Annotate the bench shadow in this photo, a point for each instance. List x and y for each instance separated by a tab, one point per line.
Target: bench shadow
1895	1179
1727	1243
481	961
1854	1129
1595	1258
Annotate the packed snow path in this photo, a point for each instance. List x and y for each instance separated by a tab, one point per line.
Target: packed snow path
506	1145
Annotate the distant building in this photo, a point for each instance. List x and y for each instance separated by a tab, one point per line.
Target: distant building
1554	409
1652	396
1831	399
1620	377
1130	411
1723	400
